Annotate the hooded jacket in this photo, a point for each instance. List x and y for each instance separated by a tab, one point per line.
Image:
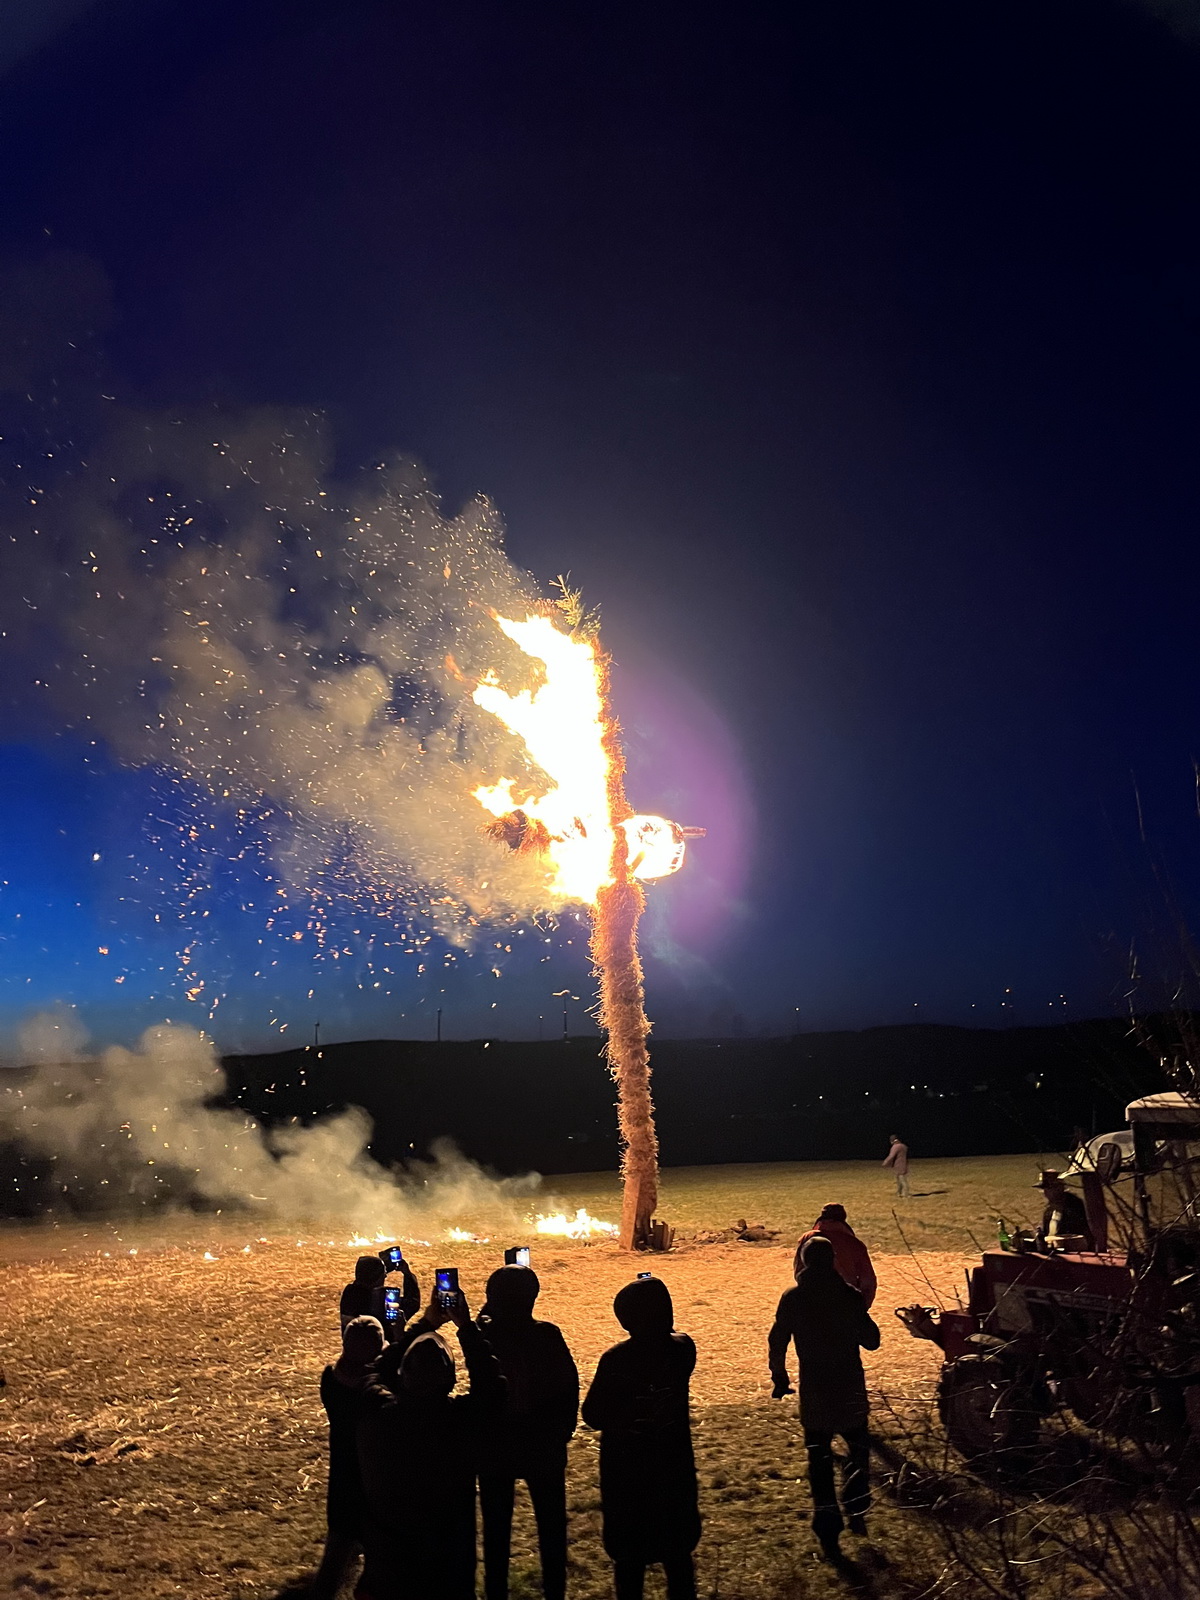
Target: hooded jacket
828	1323
639	1402
418	1450
541	1405
850	1256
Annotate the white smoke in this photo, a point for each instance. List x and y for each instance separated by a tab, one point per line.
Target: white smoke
295	657
135	1127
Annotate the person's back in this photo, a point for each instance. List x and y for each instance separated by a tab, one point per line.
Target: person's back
827	1322
528	1439
541	1405
851	1256
638	1401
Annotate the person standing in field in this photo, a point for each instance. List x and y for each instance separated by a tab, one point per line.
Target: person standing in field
850	1254
638	1402
897	1159
528	1439
342	1385
828	1323
419	1446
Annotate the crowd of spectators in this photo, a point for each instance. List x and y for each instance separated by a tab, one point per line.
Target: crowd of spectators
413	1450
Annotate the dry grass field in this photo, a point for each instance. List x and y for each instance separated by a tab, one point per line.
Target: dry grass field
161	1432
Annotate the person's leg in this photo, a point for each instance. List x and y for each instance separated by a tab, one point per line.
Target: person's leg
496	1504
681	1578
827	1519
548	1492
856	1480
629	1579
904	1189
340	1550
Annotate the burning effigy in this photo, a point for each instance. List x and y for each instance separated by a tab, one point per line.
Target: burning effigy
571	810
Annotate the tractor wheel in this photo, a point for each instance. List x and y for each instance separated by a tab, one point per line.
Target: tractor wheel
985	1411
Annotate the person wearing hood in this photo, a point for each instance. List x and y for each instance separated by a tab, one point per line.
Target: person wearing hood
850	1254
828	1322
418	1450
638	1401
364	1296
528	1440
342	1385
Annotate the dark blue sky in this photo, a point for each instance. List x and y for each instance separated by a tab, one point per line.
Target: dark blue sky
845	353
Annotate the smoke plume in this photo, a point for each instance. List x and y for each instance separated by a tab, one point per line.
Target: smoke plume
294	656
129	1128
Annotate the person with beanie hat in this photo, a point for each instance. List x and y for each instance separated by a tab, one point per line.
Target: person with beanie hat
850	1254
828	1323
638	1402
342	1385
528	1440
419	1446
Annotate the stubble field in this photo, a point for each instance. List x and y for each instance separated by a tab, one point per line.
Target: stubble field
161	1432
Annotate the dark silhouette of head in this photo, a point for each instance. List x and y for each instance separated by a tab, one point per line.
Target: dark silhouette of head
817	1257
369	1271
895	1138
644	1309
427	1371
511	1293
832	1213
362	1340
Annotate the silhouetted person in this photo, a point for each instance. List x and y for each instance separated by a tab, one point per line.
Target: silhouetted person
364	1297
529	1439
342	1385
897	1159
418	1451
1065	1215
828	1322
639	1402
850	1254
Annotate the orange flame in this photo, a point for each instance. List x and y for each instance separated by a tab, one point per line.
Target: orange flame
562	723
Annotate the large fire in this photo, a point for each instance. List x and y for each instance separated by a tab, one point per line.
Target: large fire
562	724
596	852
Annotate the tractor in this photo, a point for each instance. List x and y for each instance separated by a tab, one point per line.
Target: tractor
1112	1334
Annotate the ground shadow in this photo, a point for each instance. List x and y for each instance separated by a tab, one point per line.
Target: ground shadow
926	1194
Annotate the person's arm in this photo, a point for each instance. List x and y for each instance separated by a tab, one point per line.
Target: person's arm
777	1349
410	1294
889	1160
868	1331
486	1384
600	1402
560	1406
868	1283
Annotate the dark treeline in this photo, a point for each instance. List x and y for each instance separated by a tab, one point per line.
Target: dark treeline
550	1107
820	1096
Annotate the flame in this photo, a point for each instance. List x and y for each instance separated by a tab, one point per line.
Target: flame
562	722
580	1226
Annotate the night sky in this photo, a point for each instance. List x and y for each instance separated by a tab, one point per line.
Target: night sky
845	354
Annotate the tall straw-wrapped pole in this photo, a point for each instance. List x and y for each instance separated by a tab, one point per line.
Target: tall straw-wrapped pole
622	1011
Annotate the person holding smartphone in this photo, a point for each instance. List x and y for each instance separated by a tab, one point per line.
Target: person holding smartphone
528	1440
639	1403
365	1296
419	1447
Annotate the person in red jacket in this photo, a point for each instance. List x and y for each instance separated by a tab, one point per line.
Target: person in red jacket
850	1254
